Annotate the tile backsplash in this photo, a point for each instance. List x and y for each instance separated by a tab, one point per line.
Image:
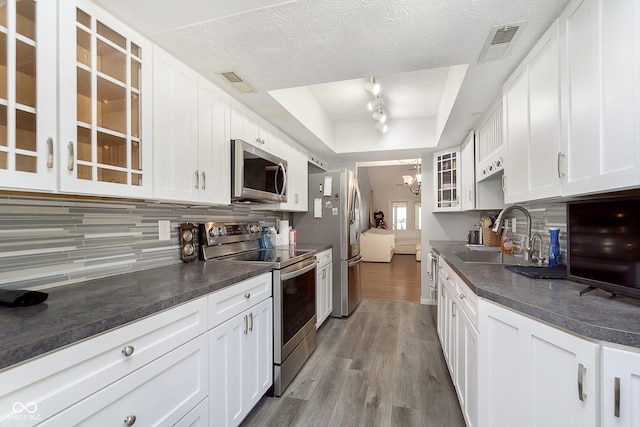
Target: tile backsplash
543	217
48	241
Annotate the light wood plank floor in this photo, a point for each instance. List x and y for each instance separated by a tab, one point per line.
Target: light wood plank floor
398	280
381	366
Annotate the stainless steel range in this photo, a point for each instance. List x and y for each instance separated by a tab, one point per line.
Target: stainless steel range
294	291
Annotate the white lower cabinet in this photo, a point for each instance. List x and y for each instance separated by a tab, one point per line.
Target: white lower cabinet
165	369
324	286
59	380
197	417
620	385
534	374
160	393
459	338
241	350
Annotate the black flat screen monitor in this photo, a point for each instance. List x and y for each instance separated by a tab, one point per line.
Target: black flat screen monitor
604	244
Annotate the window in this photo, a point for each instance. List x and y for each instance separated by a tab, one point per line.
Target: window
418	215
399	215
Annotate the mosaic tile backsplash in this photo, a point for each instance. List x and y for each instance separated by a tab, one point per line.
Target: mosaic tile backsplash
543	217
47	242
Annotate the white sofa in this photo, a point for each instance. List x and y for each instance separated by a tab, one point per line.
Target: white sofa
380	250
377	247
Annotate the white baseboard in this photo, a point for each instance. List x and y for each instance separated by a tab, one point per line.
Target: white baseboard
428	301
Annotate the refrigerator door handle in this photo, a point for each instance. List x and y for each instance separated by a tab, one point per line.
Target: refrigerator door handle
357	260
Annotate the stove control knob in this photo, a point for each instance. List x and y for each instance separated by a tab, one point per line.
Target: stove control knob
223	231
255	228
213	232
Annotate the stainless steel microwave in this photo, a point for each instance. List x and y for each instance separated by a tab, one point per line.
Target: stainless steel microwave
256	176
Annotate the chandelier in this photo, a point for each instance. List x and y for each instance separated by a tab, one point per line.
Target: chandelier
413	182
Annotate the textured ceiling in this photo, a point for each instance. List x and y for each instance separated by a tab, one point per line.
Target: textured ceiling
279	45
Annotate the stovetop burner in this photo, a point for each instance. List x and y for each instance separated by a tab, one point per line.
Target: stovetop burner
239	243
280	257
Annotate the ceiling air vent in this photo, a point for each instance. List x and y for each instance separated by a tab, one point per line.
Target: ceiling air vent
236	81
500	40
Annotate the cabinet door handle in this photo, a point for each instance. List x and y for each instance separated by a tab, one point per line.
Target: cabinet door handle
246	324
50	155
204	181
128	350
470	195
616	397
72	159
197	179
453	309
560	157
251	322
504	185
581	370
130	420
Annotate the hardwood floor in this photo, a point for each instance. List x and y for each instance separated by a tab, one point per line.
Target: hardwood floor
398	280
381	366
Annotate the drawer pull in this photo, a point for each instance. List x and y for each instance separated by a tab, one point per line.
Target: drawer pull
462	296
247	295
128	351
130	420
616	409
581	370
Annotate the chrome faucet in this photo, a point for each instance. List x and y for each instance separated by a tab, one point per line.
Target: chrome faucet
528	249
540	257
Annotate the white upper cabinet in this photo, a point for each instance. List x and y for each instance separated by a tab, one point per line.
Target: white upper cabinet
105	104
214	147
531	104
467	180
28	110
191	135
446	180
601	95
175	120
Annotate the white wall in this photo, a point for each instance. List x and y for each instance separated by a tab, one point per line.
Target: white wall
386	183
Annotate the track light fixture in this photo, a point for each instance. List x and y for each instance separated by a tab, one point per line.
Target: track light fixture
372	87
379	116
375	104
381	127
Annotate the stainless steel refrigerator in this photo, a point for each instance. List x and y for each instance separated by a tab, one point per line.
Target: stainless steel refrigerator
334	217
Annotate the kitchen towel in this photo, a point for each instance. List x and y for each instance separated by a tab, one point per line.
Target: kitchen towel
21	298
535	272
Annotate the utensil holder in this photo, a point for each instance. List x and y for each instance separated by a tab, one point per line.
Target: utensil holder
490	238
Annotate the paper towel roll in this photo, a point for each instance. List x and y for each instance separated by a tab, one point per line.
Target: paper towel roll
283	226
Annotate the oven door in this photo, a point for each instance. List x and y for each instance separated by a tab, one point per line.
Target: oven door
294	311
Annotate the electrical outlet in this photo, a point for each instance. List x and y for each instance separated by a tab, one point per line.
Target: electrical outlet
164	230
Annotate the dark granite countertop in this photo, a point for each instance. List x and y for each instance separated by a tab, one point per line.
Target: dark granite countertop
75	312
595	315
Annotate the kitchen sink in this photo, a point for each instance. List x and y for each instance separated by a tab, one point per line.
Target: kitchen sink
482	248
489	257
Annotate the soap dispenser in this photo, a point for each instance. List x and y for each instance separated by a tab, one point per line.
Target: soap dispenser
554	247
506	244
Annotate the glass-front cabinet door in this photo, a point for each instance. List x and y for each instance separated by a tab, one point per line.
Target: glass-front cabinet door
105	93
446	179
28	158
